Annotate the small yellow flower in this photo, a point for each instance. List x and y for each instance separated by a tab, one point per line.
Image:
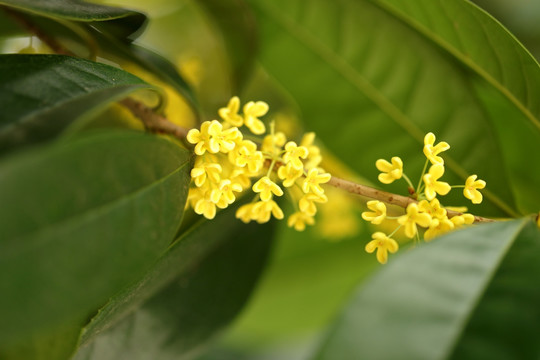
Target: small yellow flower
383	244
431	151
412	218
241	177
212	138
307	203
313	180
206	207
200	138
434	187
463	219
222	140
390	171
293	153
471	189
438	227
245	213
252	112
314	157
230	113
379	212
246	153
433	208
263	209
223	195
196	194
266	188
272	144
210	171
298	220
289	174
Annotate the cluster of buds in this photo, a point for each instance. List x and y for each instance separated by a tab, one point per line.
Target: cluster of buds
427	213
228	160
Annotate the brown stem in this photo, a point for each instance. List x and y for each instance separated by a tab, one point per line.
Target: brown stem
157	123
153	121
386	197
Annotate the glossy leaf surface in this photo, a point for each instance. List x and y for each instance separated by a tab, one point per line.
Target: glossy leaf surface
121	22
196	288
440	300
42	94
80	220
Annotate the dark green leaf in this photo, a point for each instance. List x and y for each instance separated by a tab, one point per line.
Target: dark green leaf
237	25
42	94
372	77
79	221
164	69
470	294
122	23
57	344
209	273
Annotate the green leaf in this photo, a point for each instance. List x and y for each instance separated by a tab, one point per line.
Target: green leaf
387	72
466	295
195	289
237	26
164	69
42	94
56	344
122	23
80	220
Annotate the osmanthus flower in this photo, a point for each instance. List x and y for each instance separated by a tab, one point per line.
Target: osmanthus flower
227	164
432	151
433	186
262	210
213	138
230	113
383	244
314	157
463	219
204	171
289	174
206	207
241	177
293	153
299	219
412	218
266	188
377	215
246	154
223	194
252	112
471	189
245	212
313	180
390	171
307	203
272	144
432	208
438	227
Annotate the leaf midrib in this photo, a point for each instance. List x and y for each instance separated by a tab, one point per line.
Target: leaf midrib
85	216
358	81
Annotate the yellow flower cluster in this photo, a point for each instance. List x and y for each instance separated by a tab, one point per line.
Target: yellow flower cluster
427	213
227	163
